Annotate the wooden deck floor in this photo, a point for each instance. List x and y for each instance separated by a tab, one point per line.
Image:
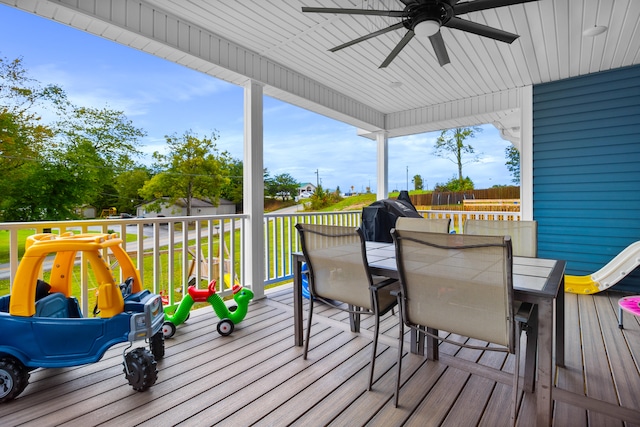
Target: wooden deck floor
257	376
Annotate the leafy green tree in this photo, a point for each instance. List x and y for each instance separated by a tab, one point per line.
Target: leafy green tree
283	186
109	133
45	190
455	184
23	136
232	169
319	199
451	145
191	169
127	185
103	143
268	184
417	182
322	198
465	184
513	163
47	171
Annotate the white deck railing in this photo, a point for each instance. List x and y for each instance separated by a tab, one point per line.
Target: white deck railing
167	265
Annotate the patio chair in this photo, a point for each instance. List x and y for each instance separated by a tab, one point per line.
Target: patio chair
461	284
339	274
434	225
524	234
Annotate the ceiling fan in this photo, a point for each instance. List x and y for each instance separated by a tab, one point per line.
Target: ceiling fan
423	18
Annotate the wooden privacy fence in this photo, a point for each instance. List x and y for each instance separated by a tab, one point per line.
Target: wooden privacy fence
494	205
447	200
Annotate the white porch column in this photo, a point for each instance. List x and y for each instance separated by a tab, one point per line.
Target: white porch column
383	165
253	189
526	153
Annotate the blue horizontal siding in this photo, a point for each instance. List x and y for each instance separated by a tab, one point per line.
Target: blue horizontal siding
586	169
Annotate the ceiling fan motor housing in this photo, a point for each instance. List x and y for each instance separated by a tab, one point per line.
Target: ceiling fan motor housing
415	13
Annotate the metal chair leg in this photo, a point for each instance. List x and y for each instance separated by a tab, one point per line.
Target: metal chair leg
516	379
400	349
620	318
374	351
306	341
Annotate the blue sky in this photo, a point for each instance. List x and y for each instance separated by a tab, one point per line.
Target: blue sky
164	98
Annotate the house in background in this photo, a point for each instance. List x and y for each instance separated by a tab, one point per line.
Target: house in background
306	189
86	211
179	208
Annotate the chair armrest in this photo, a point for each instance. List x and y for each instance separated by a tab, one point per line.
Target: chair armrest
383	284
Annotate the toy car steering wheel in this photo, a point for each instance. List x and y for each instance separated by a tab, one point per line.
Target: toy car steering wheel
127	287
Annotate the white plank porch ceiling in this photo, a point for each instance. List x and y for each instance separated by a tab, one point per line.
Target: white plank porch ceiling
273	42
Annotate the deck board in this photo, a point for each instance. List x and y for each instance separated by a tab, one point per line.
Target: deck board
573	372
598	379
257	376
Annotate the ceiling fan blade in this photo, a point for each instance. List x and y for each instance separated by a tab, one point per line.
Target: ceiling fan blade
439	48
481	30
396	50
477	5
368	36
391	13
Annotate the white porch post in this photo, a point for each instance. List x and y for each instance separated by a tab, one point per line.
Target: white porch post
383	165
526	153
253	189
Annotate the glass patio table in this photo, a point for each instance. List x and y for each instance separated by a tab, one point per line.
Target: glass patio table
535	280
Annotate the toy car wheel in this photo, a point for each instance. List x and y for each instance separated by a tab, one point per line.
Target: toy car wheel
140	369
168	329
14	378
156	344
225	327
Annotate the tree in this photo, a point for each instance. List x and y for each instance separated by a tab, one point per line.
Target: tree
319	199
456	185
104	142
513	163
284	186
109	133
44	190
191	169
23	136
417	182
127	185
233	170
450	145
47	171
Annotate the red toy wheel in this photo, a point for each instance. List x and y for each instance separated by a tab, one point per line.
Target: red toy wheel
225	327
168	329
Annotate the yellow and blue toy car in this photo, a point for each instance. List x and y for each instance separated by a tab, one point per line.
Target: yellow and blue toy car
42	324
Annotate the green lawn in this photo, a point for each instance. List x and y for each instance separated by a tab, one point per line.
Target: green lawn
4	243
